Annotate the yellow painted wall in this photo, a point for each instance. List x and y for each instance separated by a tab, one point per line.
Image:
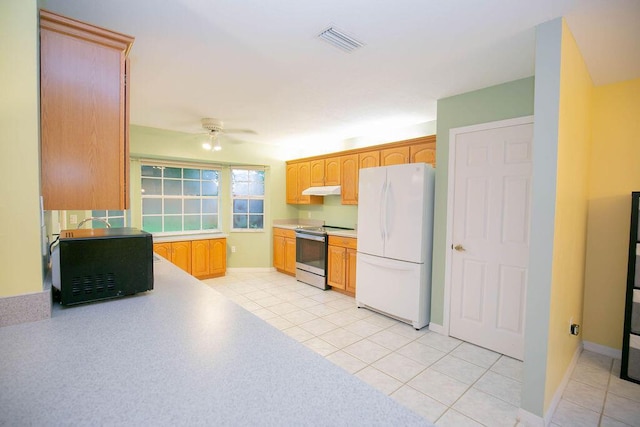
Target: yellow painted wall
20	247
574	147
615	173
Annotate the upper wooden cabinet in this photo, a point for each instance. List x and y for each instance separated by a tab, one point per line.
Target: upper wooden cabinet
344	168
349	177
394	156
84	115
423	153
325	172
298	179
369	159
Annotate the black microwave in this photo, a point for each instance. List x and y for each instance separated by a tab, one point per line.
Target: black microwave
101	263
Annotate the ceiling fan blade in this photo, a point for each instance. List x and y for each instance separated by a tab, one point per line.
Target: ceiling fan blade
245	131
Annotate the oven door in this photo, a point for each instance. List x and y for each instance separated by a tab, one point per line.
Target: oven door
311	253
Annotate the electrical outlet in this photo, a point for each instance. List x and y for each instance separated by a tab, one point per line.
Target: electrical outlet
575	329
233	249
73	219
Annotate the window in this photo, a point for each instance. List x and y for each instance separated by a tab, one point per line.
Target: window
178	199
247	194
115	218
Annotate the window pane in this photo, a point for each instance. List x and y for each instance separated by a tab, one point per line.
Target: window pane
173	172
209	222
256	189
192	206
151	187
256	176
115	213
151	206
256	221
172	187
240	189
239	221
173	223
101	214
152	171
210	175
152	224
239	175
210	205
116	222
191	173
100	224
209	188
240	206
191	188
192	222
172	206
256	206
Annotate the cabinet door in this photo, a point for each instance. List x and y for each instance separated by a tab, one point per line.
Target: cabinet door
84	156
181	255
337	267
370	159
278	252
290	255
349	179
304	182
317	173
163	249
292	183
332	171
423	153
351	271
217	257
394	156
200	258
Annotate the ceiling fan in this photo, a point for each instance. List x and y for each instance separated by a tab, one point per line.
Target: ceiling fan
214	128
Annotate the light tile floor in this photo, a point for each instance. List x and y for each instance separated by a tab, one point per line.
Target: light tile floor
448	381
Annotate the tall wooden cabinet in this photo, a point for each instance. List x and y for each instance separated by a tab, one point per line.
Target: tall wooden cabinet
630	366
84	115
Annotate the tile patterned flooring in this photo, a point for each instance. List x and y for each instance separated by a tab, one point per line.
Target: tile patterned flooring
447	381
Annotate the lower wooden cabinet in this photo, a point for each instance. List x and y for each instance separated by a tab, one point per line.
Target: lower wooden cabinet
202	258
341	254
208	258
284	250
179	253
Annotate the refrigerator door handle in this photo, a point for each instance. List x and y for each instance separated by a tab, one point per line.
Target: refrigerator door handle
382	219
387	201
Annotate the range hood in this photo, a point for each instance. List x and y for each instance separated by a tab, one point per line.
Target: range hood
328	190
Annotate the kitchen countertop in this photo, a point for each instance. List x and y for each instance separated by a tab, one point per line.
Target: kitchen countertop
182	354
342	233
183	237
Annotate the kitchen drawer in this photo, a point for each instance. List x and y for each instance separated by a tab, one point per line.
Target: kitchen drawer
344	242
284	232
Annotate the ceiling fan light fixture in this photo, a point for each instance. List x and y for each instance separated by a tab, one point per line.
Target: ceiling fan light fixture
207	146
217	146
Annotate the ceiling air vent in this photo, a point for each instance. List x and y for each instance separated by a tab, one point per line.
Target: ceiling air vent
340	40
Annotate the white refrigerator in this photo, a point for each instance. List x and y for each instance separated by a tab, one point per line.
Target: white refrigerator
395	240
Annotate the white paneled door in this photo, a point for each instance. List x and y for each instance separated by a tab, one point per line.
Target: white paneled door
490	237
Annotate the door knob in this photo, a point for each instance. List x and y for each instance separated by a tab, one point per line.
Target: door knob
459	248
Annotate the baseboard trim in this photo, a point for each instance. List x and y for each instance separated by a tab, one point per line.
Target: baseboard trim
25	308
602	349
528	419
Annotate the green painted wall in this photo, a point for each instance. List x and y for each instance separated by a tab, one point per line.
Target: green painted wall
20	235
505	101
253	249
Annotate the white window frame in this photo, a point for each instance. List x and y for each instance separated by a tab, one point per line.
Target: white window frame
249	198
185	165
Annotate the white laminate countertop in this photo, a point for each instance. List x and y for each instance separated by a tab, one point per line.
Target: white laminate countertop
182	354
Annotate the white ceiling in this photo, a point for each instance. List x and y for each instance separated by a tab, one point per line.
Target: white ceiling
258	65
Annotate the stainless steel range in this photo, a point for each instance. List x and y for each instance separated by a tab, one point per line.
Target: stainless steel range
311	254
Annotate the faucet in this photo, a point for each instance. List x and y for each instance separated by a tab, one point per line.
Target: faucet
94	218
